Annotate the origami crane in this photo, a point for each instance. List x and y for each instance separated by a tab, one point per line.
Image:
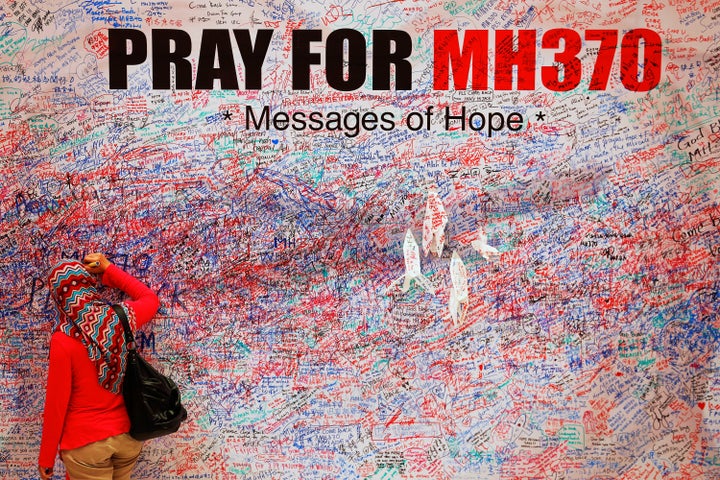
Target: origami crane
434	225
459	291
488	252
412	266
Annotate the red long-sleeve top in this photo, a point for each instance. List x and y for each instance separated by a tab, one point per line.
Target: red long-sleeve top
78	410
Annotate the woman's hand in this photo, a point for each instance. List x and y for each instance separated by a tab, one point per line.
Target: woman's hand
45	473
96	263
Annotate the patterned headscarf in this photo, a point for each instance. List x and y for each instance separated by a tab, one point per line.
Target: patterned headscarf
85	316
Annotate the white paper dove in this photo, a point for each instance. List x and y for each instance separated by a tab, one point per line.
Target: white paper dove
488	252
434	225
412	266
459	291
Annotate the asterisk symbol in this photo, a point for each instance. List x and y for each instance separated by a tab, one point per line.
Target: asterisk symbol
227	115
539	116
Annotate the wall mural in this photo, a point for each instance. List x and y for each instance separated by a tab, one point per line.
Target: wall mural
391	239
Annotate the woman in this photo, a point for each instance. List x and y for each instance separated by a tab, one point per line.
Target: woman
85	413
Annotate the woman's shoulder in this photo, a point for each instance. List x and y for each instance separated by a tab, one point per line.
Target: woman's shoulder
67	342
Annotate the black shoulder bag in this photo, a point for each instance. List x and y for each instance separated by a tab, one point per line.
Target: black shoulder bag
152	399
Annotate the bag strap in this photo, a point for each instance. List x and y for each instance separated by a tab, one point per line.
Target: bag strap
129	337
